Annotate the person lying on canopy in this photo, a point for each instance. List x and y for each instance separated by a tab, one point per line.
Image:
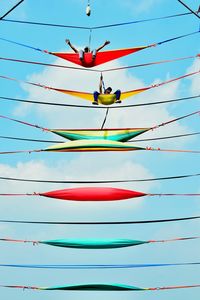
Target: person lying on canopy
97	95
87	50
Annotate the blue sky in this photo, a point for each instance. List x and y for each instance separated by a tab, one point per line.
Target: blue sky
101	165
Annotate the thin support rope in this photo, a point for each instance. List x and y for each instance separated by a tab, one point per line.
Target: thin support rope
101	222
90	38
97	70
15	6
96	27
104	121
192	11
98	107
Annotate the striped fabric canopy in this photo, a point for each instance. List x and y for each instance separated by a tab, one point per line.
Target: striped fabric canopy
115	134
93	145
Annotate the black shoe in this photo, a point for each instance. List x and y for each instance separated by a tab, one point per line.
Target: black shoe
95	103
118	101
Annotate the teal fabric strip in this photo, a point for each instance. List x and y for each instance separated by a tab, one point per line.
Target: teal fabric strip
94	244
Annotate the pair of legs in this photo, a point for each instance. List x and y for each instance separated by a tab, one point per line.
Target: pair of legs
82	52
117	94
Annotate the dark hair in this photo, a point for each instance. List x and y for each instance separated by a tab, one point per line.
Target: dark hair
87	49
109	89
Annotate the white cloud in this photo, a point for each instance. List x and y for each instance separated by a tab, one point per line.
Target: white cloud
195	80
83	167
93	118
96	165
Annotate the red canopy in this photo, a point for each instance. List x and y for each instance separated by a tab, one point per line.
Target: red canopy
93	194
101	57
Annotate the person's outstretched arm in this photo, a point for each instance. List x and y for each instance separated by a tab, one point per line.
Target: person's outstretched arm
102	46
71	46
